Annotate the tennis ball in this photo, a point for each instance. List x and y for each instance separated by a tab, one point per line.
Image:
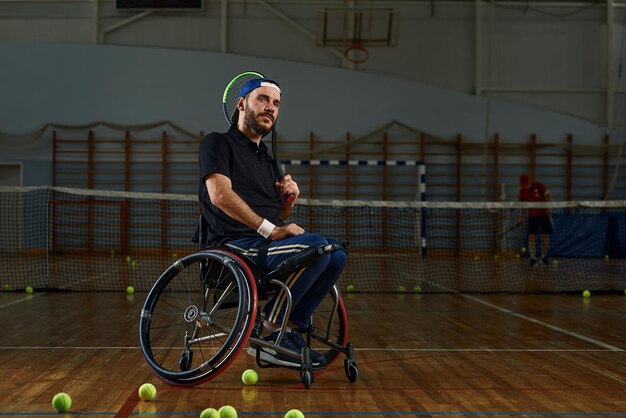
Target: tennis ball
147	392
401	289
210	413
476	258
523	250
174	255
227	411
250	377
606	257
6	288
350	288
417	289
555	262
586	293
61	402
133	264
517	255
130	290
294	413
128	259
29	290
112	252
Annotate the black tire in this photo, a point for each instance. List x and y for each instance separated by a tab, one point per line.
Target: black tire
307	379
351	369
197	317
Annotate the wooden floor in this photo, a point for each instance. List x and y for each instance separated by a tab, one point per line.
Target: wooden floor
419	355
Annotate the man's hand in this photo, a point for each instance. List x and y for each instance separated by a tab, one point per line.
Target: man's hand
288	230
287	187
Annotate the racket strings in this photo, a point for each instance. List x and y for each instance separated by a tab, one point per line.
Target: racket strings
231	93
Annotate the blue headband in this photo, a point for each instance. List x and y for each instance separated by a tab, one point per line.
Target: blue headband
256	83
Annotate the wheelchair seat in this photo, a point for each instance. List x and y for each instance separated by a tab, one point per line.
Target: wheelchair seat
204	309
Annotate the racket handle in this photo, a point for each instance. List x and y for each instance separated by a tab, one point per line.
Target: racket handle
290	197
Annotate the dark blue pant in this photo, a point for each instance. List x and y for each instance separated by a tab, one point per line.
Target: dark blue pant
308	286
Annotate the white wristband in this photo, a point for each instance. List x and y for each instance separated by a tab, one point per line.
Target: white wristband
266	228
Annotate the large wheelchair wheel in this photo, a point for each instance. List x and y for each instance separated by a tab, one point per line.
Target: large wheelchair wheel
330	325
197	317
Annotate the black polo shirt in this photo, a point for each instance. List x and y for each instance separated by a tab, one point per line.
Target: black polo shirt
251	172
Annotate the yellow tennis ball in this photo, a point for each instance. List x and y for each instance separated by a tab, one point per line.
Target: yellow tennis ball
210	413
417	289
250	377
350	288
227	411
147	392
523	250
133	264
294	413
29	290
128	259
61	402
130	290
401	289
586	293
6	288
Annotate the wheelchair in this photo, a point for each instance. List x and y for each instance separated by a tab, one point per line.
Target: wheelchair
205	308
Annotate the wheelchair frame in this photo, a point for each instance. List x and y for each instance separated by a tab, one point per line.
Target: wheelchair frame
203	311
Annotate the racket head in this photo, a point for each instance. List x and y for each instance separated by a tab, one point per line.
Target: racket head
231	93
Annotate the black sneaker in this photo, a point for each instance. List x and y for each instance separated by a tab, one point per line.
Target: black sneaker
544	261
280	359
533	261
316	358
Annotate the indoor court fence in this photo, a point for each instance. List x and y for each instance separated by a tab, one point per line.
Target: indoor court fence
97	240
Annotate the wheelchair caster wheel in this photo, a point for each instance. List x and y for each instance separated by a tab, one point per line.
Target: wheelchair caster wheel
351	369
307	378
185	360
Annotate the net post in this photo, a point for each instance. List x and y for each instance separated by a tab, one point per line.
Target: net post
496	167
459	165
605	168
54	157
164	143
569	167
422	195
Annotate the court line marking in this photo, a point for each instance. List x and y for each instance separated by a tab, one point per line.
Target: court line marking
23	299
342	413
407	350
544	324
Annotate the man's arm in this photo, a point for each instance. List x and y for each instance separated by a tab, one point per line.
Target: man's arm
224	198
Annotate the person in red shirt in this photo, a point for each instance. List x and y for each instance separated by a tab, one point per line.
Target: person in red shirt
539	219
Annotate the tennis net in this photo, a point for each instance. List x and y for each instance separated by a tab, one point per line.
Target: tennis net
94	240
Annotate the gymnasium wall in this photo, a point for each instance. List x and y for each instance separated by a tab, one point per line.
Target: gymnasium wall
77	84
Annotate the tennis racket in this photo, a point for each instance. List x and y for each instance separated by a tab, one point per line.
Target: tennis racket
229	102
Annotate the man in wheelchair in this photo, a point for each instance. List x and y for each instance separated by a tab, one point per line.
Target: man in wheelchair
246	205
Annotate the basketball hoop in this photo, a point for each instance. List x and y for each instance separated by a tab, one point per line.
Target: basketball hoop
356	53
